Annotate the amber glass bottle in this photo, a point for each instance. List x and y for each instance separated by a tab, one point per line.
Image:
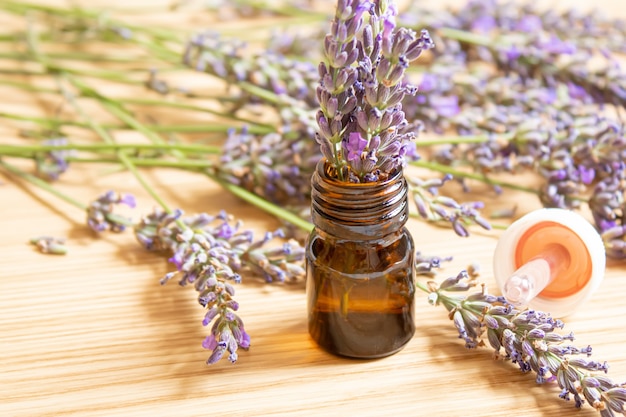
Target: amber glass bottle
360	272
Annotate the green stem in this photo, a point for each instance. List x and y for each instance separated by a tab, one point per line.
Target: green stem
465	36
265	205
284	9
260	127
109	139
78	12
131	167
72	56
419	284
459	140
56	124
41	184
263	128
266	95
433	166
187	164
17	149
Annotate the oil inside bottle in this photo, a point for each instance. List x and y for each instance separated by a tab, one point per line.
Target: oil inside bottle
360	297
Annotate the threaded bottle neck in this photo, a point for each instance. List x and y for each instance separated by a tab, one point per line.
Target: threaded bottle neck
358	211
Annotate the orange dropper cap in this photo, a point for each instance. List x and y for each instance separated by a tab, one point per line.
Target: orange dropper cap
550	260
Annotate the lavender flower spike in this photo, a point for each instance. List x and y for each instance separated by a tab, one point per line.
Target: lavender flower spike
363	132
529	339
208	253
53	163
100	216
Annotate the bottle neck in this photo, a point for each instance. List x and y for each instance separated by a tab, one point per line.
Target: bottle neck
358	211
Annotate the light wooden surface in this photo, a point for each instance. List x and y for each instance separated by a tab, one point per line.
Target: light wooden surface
92	333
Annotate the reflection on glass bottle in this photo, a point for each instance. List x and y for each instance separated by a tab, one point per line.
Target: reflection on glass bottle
360	274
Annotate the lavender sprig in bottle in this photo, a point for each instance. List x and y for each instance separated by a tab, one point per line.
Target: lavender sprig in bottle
362	128
360	256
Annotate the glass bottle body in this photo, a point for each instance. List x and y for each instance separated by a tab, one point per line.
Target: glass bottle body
360	268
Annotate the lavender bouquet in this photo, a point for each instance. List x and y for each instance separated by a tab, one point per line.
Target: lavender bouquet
363	132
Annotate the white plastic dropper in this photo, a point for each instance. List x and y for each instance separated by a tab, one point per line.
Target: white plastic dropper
551	260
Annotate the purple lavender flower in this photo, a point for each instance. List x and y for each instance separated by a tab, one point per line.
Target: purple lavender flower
53	163
209	252
276	166
362	83
426	265
484	24
434	207
354	146
270	71
100	215
614	239
529	339
529	23
50	245
445	106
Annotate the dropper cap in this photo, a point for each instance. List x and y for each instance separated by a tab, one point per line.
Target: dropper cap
550	260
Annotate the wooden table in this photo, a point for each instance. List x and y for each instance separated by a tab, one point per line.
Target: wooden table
92	333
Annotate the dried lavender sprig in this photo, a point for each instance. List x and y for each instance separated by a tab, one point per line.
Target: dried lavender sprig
53	163
615	241
274	166
272	74
50	244
558	108
100	215
491	32
529	339
427	265
209	256
571	149
434	207
362	129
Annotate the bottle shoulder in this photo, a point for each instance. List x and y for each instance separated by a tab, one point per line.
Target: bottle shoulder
355	256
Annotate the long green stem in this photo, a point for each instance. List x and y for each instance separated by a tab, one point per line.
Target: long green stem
95	147
465	36
56	125
123	157
78	12
265	205
117	109
419	284
187	164
433	166
41	184
252	126
459	140
284	9
259	127
72	56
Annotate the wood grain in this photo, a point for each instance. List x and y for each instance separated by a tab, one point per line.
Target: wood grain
92	333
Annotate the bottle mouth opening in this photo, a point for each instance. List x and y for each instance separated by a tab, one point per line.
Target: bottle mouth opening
323	168
365	210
